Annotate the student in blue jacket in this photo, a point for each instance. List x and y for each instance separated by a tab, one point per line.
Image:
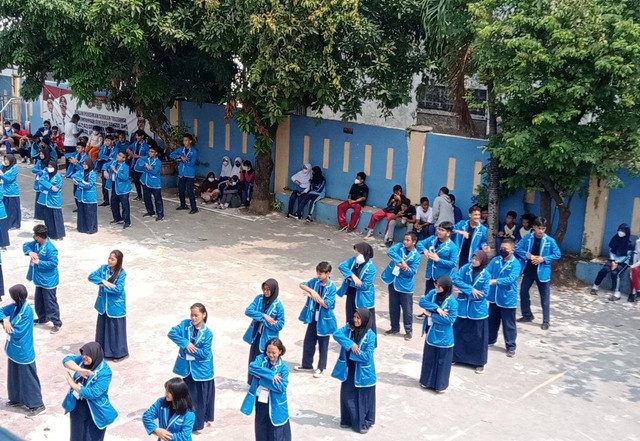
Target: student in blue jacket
470	236
23	385
400	276
38	169
319	317
4	224
75	165
441	309
86	197
536	252
88	396
138	150
51	197
149	166
504	271
359	282
171	417
1	278
186	157
121	187
268	394
9	175
111	304
471	329
267	319
441	253
43	272
106	154
356	370
195	363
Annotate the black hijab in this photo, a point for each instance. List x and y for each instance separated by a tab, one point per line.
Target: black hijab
19	296
366	250
53	164
12	162
93	350
447	287
484	261
89	163
317	177
620	246
47	156
360	331
273	286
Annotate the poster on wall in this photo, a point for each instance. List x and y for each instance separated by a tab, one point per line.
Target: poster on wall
58	106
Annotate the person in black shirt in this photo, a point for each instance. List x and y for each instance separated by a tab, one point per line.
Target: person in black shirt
393	206
406	216
357	198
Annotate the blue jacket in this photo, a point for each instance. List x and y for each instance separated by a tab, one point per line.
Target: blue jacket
405	280
469	306
505	293
327	322
44	273
95	391
11	188
549	250
85	192
186	169
3	209
180	426
49	197
121	178
142	150
74	168
37	170
440	333
120	147
201	367
365	293
110	301
19	346
263	373
107	154
448	253
267	331
478	240
150	178
365	375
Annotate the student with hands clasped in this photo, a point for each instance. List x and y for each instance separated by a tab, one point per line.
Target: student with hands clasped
359	282
171	417
441	253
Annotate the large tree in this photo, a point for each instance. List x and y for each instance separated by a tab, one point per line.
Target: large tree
568	80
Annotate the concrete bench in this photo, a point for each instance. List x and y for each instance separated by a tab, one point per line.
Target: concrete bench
587	271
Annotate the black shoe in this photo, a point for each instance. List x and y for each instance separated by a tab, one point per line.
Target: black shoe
148	214
193	211
544	326
345	426
421	316
36	411
125	226
631	298
159	218
391	332
525	319
75	211
407	336
594	292
137	198
116	222
309	219
182	208
104	204
511	354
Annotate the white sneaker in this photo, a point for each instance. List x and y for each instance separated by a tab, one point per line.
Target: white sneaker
317	373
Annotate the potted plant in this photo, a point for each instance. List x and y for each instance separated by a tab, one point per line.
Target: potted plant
176	133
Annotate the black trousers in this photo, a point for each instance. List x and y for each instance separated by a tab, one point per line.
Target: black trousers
309	347
186	185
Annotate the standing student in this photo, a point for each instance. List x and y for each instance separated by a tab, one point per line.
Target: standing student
359	282
71	137
51	197
620	250
441	309
43	272
111	304
267	319
121	144
441	253
195	362
88	396
504	271
9	175
471	329
107	154
121	187
75	165
356	370
186	156
357	198
537	250
319	317
442	208
268	394
4	225
150	166
137	151
400	276
171	417
23	384
470	236
86	198
38	169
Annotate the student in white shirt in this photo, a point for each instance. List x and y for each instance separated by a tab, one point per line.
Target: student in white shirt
424	218
71	137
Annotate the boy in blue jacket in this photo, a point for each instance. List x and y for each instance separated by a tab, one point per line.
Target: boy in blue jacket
441	253
121	187
149	167
186	157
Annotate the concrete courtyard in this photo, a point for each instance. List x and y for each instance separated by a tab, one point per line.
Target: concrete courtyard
578	381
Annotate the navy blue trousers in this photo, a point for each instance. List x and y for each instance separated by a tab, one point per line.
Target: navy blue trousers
265	430
82	426
311	337
118	201
4	233
398	301
186	186
544	288
156	194
46	306
203	395
506	316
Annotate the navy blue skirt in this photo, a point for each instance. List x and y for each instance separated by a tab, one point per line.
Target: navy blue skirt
38	209
1	282
82	426
54	222
111	333
4	233
87	218
265	430
436	367
472	341
14	213
357	404
23	385
203	395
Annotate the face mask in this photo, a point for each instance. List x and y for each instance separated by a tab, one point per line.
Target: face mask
245	168
622	233
50	169
357	181
359	259
504	253
225	163
211	179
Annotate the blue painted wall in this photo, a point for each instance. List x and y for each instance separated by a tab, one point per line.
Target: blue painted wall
620	208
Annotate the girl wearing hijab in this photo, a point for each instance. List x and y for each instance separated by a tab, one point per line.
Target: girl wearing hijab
237	167
225	171
38	169
267	319
195	362
23	385
209	189
356	370
302	181
441	309
9	175
51	198
4	224
359	282
171	417
471	329
315	193
88	396
620	250
87	197
111	304
247	177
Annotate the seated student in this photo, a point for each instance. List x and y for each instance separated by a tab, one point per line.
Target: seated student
508	229
121	143
6	140
457	212
225	171
209	189
237	167
171	417
57	138
315	193
392	208
45	130
231	194
302	181
484	216
23	147
526	222
405	217
620	250
424	218
18	133
358	194
247	177
635	273
94	143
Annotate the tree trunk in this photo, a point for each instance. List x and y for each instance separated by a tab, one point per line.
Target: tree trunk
156	122
262	197
545	205
564	209
494	178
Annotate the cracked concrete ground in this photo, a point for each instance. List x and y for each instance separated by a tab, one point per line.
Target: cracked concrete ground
579	380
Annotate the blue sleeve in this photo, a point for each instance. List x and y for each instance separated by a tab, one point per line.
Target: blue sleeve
90	183
452	314
98	387
521	249
459	282
123	173
394	253
51	260
204	347
556	254
426	301
96	276
369	279
253	311
174	154
278	316
103	154
151	415
119	288
155	170
423	245
6	311
512	277
10	176
280	387
341	336
194	156
36	169
366	350
452	261
345	267
186	429
414	265
175	335
330	297
28	247
75	358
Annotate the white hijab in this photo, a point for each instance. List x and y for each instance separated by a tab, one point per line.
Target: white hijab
303	176
225	172
235	171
